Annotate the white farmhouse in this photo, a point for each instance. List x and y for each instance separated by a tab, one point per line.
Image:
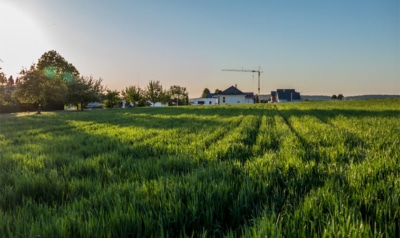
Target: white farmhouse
233	95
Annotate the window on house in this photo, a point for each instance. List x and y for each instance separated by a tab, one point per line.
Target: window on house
210	103
223	99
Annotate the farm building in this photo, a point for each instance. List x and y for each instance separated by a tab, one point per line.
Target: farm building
264	97
233	95
204	101
211	99
285	95
274	97
249	98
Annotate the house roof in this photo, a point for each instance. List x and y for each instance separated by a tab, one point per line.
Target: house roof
249	95
212	95
232	90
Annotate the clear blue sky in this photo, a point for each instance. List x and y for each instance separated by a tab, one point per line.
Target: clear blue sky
317	47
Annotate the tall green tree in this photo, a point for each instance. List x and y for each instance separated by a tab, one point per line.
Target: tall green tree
35	87
165	97
55	66
45	82
3	85
155	93
206	91
3	78
84	90
340	97
178	94
9	90
134	94
111	98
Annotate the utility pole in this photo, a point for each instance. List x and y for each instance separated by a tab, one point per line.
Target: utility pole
252	71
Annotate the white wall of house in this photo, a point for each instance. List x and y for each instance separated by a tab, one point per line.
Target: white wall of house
204	101
231	99
249	100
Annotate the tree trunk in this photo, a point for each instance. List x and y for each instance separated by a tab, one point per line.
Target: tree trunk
39	107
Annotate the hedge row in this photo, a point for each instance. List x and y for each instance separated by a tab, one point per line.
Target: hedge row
29	108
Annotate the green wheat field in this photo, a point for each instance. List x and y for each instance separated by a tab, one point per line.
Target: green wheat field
307	169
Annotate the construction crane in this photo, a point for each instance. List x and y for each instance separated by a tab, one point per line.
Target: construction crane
252	71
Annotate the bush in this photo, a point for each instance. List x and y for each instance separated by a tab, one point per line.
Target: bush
18	108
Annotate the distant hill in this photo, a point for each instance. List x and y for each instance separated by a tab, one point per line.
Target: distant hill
377	96
315	97
359	97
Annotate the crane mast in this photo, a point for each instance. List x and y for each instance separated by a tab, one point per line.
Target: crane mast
251	71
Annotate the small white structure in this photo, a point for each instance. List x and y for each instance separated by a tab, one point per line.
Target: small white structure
159	104
204	101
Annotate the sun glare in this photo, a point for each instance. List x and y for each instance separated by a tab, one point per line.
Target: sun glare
22	41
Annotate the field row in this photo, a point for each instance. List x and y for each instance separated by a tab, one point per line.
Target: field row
264	170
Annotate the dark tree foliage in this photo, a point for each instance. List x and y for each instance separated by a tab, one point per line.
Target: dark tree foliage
3	78
11	81
112	98
3	85
35	87
45	82
134	94
340	97
178	95
55	66
84	90
53	80
206	91
155	92
217	91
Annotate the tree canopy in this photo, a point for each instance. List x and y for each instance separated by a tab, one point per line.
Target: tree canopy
134	94
217	91
178	94
84	90
3	86
45	82
111	98
53	80
155	93
55	66
35	87
206	91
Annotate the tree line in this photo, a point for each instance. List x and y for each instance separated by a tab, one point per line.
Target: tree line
55	81
338	97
